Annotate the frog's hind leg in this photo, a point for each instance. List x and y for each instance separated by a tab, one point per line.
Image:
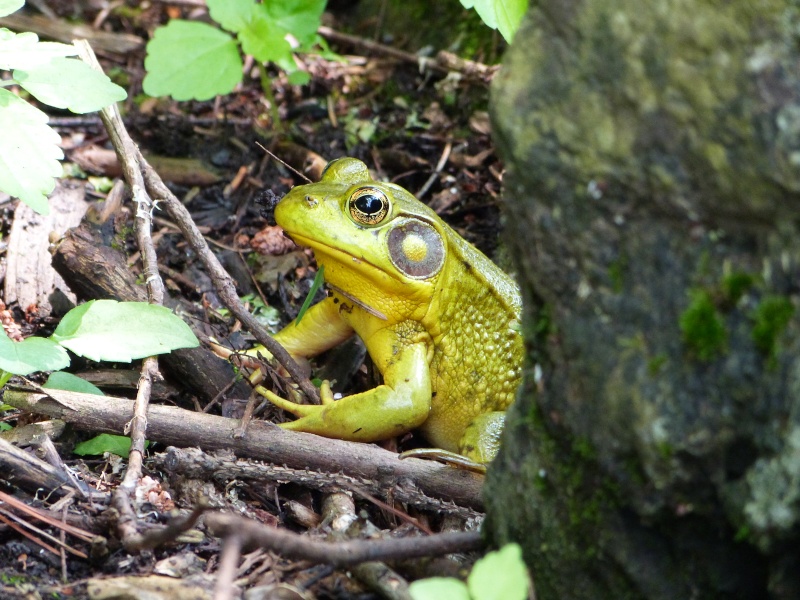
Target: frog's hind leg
481	439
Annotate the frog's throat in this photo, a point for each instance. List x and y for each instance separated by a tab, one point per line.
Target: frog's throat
355	262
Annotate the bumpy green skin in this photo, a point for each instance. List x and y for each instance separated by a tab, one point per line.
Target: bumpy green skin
652	152
438	318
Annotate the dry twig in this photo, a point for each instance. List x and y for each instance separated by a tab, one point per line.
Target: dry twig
340	554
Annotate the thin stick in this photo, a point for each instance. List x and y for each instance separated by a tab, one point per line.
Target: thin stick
284	163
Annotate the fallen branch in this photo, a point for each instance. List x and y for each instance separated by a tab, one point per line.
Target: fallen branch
262	441
223	467
341	554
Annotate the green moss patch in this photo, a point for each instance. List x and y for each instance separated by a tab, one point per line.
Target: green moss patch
702	327
770	318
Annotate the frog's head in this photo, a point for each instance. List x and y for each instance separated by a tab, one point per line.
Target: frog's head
365	232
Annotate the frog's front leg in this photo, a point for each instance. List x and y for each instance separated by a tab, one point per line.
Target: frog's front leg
399	405
320	329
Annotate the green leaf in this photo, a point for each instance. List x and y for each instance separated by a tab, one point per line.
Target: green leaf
5	426
30	355
105	442
509	15
301	18
61	380
188	60
29	152
299	77
9	6
500	575
439	588
122	331
70	83
319	280
264	39
503	15
233	15
24	50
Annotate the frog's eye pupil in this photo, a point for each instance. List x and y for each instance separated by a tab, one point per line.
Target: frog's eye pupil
369	206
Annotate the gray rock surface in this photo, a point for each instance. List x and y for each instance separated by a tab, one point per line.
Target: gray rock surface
653	190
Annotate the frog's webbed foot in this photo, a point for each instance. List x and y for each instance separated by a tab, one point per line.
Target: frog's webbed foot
444	456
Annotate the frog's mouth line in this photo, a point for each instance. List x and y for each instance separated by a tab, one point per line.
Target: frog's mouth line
339	254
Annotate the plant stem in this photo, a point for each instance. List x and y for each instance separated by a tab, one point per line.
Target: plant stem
266	85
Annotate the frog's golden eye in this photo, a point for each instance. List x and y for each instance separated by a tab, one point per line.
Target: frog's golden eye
368	205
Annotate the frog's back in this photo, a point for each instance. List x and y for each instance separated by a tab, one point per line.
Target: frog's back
477	356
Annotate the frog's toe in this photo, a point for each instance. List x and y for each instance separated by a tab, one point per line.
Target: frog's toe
444	456
298	410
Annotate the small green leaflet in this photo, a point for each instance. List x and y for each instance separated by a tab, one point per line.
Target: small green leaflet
9	6
189	60
319	280
233	15
301	18
122	331
61	380
264	39
30	355
24	50
500	575
70	83
503	15
105	442
439	588
29	152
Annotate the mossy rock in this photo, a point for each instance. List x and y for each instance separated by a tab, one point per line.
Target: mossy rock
653	154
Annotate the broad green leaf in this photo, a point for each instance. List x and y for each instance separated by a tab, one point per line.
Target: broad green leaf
509	15
9	6
122	331
439	588
5	426
24	50
30	355
61	380
301	18
105	442
500	575
70	83
503	15
29	152
485	10
189	60
264	40
233	15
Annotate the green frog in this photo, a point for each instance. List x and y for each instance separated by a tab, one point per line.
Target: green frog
438	318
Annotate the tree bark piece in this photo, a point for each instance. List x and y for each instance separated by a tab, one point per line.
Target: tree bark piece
24	470
262	440
30	280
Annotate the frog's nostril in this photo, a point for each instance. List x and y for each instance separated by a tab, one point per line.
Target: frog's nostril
311	202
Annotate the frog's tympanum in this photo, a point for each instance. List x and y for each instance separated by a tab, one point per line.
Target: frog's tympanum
438	318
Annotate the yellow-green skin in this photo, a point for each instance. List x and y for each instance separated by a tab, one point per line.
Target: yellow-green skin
438	318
